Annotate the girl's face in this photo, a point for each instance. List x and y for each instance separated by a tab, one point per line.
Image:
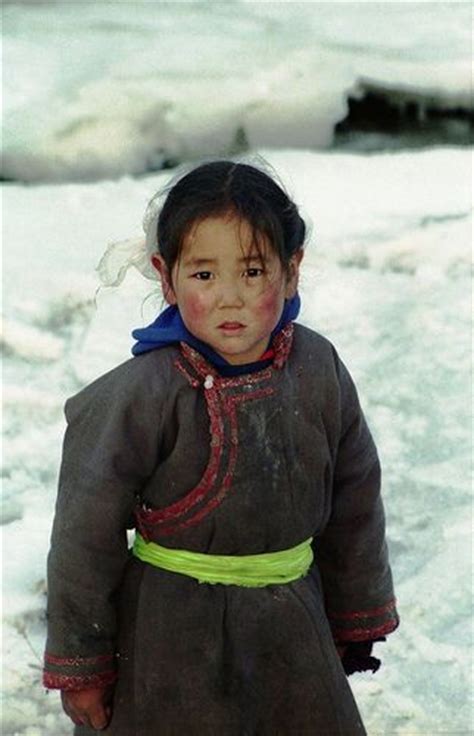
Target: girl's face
227	295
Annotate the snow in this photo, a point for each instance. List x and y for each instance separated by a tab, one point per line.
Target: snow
94	90
386	277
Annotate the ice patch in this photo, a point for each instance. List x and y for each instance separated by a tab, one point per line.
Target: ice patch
68	308
215	79
28	399
435	250
29	343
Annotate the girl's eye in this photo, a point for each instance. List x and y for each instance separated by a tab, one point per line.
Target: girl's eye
253	272
202	275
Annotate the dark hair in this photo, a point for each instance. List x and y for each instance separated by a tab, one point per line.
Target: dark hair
226	187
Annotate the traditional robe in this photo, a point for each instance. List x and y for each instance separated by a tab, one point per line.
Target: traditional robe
235	466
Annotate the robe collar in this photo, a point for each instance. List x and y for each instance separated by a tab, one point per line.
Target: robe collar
169	329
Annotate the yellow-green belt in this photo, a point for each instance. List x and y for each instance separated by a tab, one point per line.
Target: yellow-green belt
269	568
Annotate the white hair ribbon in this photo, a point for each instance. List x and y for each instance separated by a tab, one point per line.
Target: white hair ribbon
120	255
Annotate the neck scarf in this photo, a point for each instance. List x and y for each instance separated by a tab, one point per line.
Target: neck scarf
169	329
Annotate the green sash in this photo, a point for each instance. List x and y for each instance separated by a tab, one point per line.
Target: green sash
270	568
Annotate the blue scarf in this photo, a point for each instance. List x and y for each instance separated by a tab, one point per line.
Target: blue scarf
169	328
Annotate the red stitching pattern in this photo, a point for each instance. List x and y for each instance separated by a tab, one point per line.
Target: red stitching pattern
368	613
53	681
216	429
217	403
259	393
363	634
281	344
204	369
230	403
193	381
76	661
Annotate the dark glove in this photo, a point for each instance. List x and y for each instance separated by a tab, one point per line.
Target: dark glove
357	656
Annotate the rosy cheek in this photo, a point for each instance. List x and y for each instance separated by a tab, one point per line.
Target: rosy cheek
270	304
195	307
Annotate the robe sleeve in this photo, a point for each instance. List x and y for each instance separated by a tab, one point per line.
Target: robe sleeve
110	449
351	552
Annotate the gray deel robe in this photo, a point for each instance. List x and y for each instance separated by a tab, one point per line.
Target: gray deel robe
255	463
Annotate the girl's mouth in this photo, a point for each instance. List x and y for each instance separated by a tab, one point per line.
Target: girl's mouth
231	326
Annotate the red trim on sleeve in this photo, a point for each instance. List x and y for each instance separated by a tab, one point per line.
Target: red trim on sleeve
54	681
367	613
77	661
346	635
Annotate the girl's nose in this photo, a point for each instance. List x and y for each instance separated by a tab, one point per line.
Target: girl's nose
229	294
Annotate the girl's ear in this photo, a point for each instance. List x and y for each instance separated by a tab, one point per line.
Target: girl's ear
293	273
165	278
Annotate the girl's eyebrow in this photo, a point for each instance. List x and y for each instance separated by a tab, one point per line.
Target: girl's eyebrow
253	257
199	262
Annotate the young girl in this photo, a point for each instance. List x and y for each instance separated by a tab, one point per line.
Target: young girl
235	444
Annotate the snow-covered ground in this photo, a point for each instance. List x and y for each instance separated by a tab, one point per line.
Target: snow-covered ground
96	89
387	278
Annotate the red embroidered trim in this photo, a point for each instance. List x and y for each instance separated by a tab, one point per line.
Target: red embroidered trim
205	369
343	635
170	513
270	353
216	429
53	681
218	404
281	345
250	380
76	661
230	404
193	381
368	613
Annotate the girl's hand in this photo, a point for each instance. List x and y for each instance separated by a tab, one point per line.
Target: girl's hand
88	707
